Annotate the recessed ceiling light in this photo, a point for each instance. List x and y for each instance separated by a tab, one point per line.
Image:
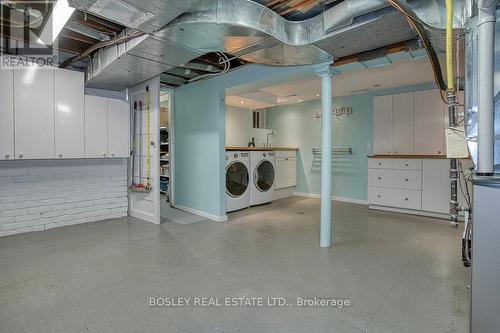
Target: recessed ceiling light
299	100
242	102
377	85
317	95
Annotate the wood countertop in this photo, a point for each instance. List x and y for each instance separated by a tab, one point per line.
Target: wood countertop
410	156
262	148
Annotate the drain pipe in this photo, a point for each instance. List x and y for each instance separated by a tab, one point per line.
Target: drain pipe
486	58
451	98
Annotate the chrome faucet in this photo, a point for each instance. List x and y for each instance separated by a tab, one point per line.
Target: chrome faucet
267	138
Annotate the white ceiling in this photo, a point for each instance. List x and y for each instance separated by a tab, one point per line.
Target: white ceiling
398	74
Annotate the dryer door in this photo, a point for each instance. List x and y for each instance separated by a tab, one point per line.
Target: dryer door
236	179
264	176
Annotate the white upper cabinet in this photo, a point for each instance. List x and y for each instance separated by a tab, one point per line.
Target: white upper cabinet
96	126
118	128
69	113
429	123
403	123
409	123
34	113
44	114
382	124
6	114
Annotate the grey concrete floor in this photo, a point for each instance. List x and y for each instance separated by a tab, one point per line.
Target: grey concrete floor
401	273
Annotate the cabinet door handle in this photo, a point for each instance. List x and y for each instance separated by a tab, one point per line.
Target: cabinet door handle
407	164
406	179
286	158
112	154
406	199
439	151
7	155
379	178
104	154
379	163
60	155
21	155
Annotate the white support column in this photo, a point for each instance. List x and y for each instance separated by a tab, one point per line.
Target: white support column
325	72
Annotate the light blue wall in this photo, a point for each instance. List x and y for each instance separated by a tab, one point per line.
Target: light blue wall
199	112
295	125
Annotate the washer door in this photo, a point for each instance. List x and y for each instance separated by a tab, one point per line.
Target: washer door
263	177
236	179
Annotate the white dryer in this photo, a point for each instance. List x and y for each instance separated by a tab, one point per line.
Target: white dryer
263	175
237	180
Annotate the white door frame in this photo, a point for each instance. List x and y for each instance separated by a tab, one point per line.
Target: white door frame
146	206
171	140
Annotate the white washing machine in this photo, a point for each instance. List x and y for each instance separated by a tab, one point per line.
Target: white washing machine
237	180
263	176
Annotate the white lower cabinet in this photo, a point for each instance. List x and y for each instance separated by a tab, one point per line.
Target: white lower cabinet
405	179
395	197
286	169
436	185
419	186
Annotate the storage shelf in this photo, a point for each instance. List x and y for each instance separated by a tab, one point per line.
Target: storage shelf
166	176
164	143
163	128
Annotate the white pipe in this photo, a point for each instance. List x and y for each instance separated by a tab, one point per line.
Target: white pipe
486	57
325	72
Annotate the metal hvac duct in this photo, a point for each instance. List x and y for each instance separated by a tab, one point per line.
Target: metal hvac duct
179	31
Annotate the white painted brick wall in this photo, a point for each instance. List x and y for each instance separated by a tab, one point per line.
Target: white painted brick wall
40	195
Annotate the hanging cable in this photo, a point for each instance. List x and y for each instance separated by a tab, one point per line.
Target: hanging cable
417	25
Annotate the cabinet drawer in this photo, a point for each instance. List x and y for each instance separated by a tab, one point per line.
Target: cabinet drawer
397	198
286	153
380	163
402	179
408	164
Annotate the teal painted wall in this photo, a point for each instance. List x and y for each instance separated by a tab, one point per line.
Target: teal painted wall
199	112
295	125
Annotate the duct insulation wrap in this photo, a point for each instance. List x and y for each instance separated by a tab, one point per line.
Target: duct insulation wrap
472	92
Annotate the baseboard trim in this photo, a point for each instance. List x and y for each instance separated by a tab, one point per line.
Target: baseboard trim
334	198
206	215
410	211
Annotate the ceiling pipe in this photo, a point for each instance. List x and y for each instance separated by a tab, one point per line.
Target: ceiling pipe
486	60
